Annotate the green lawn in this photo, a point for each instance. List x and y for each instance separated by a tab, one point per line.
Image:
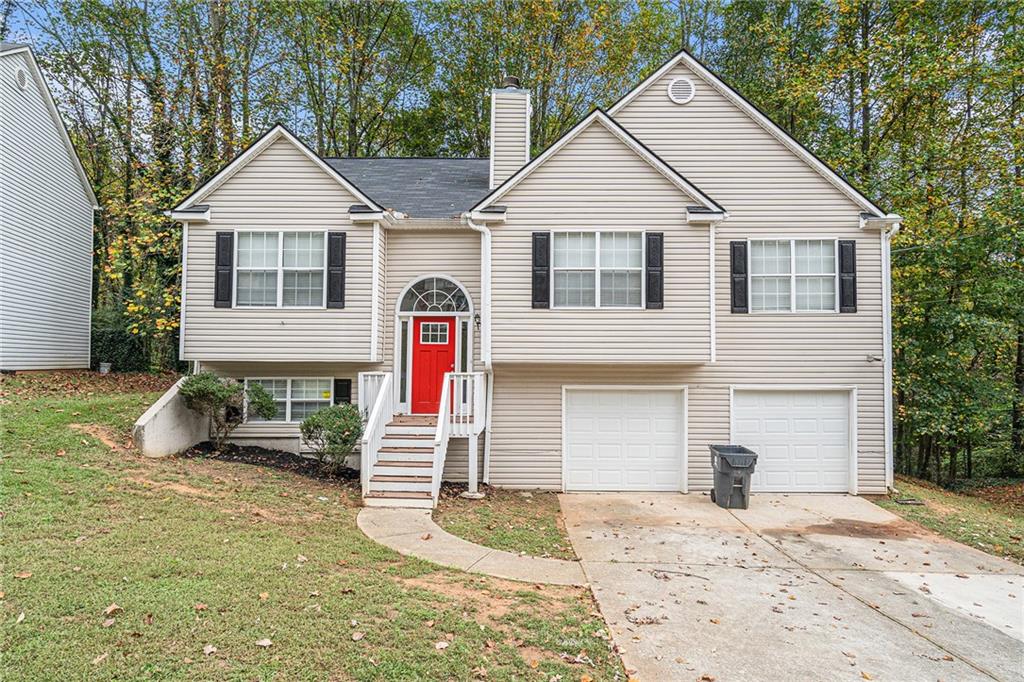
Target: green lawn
992	527
510	520
204	554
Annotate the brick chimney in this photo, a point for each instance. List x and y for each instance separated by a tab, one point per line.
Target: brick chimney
510	130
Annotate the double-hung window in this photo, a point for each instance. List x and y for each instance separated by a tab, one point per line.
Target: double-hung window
296	399
793	275
597	269
281	269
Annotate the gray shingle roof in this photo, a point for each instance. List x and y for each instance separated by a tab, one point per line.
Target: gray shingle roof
5	46
423	188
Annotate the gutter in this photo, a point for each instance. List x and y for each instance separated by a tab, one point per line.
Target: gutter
887	397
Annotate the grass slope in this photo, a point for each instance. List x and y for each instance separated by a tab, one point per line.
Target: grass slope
508	520
991	527
201	553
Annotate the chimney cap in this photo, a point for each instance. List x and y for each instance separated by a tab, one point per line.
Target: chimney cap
510	82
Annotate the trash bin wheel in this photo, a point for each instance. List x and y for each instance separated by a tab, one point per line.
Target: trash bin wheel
712	494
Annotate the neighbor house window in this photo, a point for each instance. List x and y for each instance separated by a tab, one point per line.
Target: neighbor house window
793	275
296	399
281	269
598	269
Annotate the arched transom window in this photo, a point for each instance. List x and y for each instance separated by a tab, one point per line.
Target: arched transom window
434	295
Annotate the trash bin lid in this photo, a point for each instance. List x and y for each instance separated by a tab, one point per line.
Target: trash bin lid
736	456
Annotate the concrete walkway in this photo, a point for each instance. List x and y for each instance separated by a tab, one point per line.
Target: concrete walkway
412	532
798	587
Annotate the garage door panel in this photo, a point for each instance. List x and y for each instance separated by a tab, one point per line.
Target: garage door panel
801	437
635	439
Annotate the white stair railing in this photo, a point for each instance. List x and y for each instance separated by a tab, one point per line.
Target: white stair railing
369	387
381	410
461	414
441	436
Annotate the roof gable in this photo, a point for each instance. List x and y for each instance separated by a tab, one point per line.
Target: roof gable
755	114
278	132
599	117
12	49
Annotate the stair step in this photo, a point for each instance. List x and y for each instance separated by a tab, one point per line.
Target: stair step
413	420
409	449
399	502
418	464
390	478
409	430
402	440
409	436
415	495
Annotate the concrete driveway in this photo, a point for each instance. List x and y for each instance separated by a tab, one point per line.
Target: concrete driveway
798	587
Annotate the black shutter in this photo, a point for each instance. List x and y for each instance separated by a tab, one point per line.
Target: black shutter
847	276
541	269
224	269
738	276
335	269
342	391
655	270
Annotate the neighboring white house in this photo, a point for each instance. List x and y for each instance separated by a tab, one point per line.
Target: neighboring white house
46	224
674	272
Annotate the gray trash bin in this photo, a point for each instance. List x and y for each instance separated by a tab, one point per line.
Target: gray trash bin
733	466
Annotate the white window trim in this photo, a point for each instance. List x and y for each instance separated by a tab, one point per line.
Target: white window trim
287	399
281	269
432	328
793	275
596	269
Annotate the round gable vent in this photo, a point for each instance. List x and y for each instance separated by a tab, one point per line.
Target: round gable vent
681	90
21	78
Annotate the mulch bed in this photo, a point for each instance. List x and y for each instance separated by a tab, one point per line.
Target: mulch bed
80	382
274	459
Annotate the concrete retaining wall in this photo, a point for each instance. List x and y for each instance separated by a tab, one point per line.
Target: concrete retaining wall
168	427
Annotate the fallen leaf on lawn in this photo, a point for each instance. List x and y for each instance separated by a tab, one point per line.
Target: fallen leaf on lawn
108	622
707	678
21	617
301	559
481	673
61	453
201	607
23	575
356	636
490	644
534	663
441	646
99	659
715	621
427	536
866	676
430	623
264	596
586	678
148	619
209	649
263	643
112	609
2	594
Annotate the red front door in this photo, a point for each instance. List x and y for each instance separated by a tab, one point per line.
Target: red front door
433	354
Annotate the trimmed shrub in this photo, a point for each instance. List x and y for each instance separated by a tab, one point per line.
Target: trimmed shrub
332	433
111	342
220	399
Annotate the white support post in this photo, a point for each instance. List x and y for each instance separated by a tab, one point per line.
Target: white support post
473	453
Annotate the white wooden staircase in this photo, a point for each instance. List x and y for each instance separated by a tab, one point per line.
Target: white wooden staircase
402	475
402	456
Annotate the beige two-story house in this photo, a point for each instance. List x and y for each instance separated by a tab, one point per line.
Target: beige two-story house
673	272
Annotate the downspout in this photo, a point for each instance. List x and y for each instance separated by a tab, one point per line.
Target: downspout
887	236
375	292
485	333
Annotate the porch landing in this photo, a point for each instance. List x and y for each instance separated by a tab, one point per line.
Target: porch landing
412	532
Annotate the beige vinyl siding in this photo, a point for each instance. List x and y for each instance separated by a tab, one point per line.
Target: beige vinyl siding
595	182
768	192
526	437
510	121
416	253
281	189
46	220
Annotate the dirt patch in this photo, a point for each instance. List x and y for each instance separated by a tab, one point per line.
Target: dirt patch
852	528
174	487
105	435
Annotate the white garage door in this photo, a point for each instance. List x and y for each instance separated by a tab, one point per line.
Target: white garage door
624	439
802	439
